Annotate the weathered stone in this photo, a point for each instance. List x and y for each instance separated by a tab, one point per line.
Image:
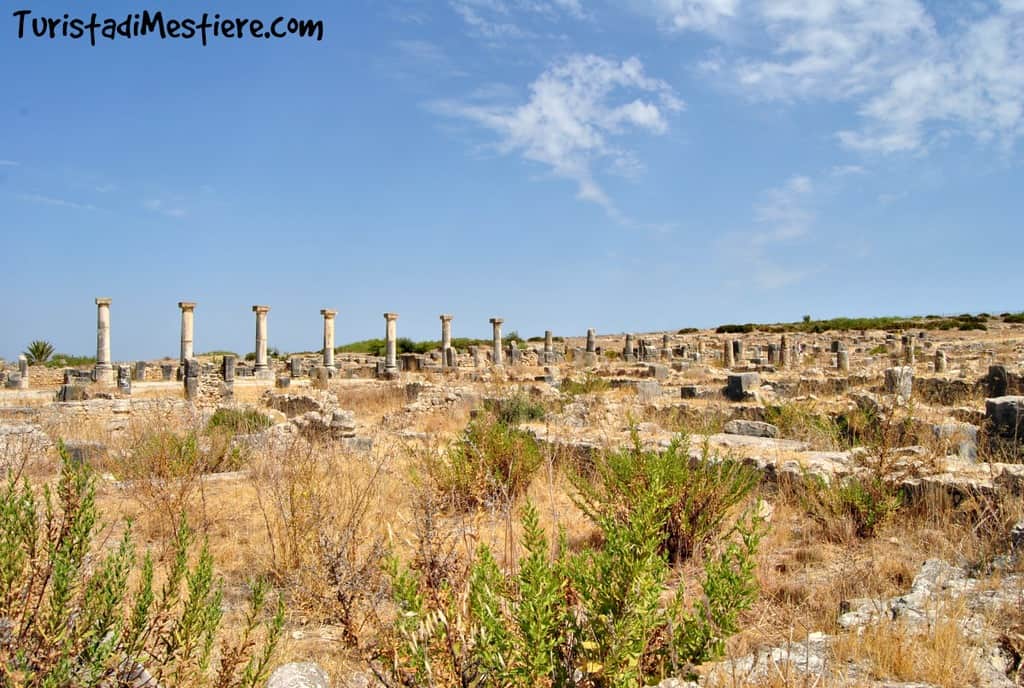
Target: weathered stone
899	381
750	428
124	379
261	369
648	390
963	435
658	371
299	675
1005	416
742	386
103	372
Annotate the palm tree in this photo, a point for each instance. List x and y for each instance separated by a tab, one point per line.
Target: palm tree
39	351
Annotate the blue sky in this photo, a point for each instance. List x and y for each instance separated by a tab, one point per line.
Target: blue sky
627	165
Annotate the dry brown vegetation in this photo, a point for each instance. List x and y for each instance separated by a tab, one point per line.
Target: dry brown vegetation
320	521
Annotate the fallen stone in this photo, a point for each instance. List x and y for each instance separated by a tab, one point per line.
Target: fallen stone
751	428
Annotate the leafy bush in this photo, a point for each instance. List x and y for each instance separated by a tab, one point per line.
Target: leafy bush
516	409
863	505
71	620
590	384
243	421
593	619
1016	318
696	498
491	463
38	351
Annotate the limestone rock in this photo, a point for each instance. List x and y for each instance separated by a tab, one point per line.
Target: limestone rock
299	675
750	428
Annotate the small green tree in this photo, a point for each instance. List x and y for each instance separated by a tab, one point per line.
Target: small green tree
39	351
71	618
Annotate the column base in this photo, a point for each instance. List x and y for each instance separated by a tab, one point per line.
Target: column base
103	374
263	373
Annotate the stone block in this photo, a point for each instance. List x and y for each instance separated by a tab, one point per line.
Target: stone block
742	386
750	428
657	371
1005	416
899	381
648	390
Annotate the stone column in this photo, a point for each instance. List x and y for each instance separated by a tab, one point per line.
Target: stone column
497	353
104	371
446	338
328	337
843	361
627	349
23	371
728	358
549	342
908	350
261	369
940	361
187	329
390	343
784	352
591	342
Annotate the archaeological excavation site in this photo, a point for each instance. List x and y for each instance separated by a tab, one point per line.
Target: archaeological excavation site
816	503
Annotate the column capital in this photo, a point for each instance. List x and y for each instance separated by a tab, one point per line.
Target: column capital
102	301
391	316
446	318
497	321
328	313
187	305
260	309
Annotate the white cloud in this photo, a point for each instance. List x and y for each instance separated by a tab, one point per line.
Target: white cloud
913	80
690	15
784	211
497	20
847	170
58	202
8	163
158	206
574	111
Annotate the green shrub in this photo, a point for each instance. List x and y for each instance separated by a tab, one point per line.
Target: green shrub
70	361
238	421
879	350
516	409
595	618
1017	318
697	497
38	351
590	384
76	621
491	463
865	504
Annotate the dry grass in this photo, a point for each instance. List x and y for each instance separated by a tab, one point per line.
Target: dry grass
939	654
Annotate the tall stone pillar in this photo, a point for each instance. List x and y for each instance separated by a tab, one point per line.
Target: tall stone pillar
390	343
496	342
549	342
627	349
328	337
188	309
784	352
843	361
728	359
940	361
104	371
446	338
591	341
261	369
